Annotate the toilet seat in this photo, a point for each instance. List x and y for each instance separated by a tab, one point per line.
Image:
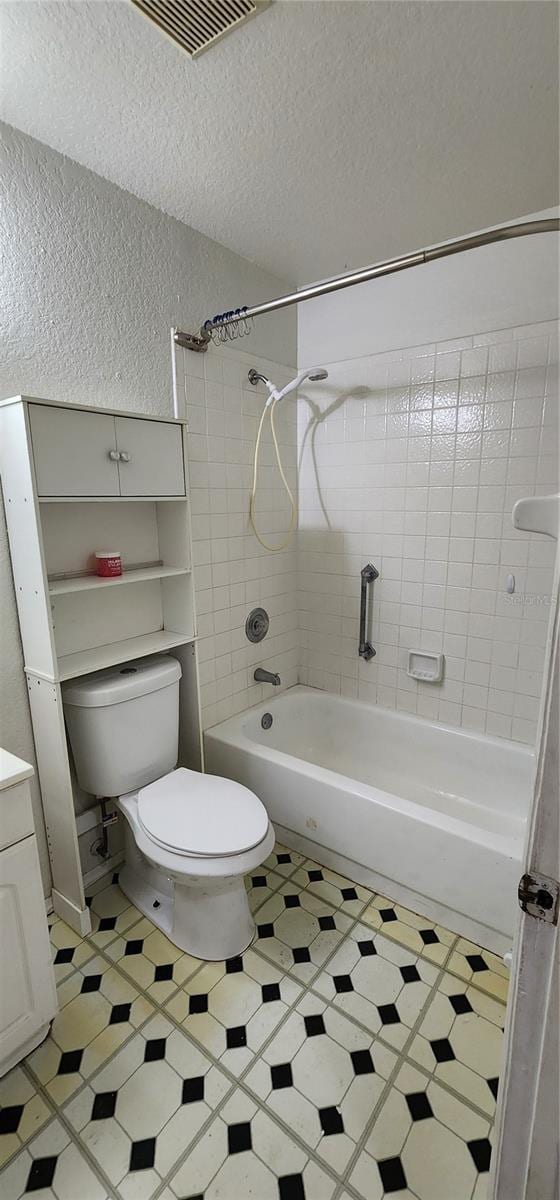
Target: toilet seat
201	816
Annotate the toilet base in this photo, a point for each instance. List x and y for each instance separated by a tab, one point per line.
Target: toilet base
211	923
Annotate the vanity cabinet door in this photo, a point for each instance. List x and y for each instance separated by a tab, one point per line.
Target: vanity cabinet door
27	991
150	457
74	452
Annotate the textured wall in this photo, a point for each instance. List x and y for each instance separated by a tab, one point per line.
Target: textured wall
93	279
413	460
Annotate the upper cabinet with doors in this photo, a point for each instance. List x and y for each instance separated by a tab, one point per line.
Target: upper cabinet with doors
77	452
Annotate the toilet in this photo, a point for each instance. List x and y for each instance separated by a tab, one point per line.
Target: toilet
189	838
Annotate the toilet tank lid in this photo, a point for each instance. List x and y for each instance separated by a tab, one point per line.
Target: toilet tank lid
123	682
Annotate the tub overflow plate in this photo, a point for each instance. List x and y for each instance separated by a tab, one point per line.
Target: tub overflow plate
266	720
256	625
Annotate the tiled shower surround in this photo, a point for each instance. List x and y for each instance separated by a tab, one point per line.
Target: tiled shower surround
232	572
413	460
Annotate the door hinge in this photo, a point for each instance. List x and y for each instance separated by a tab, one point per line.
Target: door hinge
539	896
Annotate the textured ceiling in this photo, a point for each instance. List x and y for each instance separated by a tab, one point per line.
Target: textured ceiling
322	135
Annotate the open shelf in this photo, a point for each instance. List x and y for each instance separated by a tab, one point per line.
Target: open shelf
85	583
84	661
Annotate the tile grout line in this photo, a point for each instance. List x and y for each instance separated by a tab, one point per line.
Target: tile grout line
306	989
240	1083
235	1081
56	1114
400	1058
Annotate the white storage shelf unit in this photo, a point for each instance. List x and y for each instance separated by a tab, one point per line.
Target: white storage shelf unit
76	480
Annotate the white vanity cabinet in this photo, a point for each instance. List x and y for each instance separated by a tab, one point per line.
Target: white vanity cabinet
27	988
77	452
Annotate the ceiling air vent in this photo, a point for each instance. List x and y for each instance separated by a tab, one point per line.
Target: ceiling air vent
197	24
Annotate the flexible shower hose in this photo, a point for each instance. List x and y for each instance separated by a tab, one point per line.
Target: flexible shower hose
293	516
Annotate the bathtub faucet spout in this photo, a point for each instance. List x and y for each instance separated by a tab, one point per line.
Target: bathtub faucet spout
262	676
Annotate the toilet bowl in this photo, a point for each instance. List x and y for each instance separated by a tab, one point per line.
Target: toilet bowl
185	859
189	838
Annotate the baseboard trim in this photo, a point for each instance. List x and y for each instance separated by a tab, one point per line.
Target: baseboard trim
77	918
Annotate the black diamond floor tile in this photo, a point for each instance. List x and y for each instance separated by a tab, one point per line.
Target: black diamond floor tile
163	972
265	931
41	1173
477	963
155	1049
314	1025
234	965
460	1004
198	1003
362	1062
327	923
193	1090
134	946
349	893
442	1050
301	954
292	901
367	949
104	1106
239	1137
270	992
493	1084
142	1154
106	924
343	983
65	955
388	914
10	1117
92	983
236	1037
481	1152
119	1014
281	1076
429	936
410	974
331	1121
389	1014
392	1174
315	876
290	1187
419	1106
70	1061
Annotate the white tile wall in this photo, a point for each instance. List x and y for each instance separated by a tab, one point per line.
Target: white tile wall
232	572
413	460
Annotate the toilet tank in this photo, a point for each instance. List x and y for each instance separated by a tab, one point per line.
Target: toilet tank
123	724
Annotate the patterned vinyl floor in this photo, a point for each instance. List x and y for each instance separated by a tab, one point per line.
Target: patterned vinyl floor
353	1051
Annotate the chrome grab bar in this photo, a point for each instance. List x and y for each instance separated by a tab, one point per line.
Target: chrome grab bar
368	574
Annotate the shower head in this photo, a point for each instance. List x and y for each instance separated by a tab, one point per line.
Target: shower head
314	374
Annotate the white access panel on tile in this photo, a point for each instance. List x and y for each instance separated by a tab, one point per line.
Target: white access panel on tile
150	457
72	452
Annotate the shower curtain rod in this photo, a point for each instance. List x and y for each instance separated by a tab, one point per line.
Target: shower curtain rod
236	317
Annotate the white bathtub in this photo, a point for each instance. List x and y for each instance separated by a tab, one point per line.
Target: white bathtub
420	811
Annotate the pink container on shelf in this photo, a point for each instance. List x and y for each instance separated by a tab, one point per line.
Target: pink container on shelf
108	563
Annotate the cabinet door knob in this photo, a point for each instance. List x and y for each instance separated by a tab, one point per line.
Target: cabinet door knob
124	456
114	455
